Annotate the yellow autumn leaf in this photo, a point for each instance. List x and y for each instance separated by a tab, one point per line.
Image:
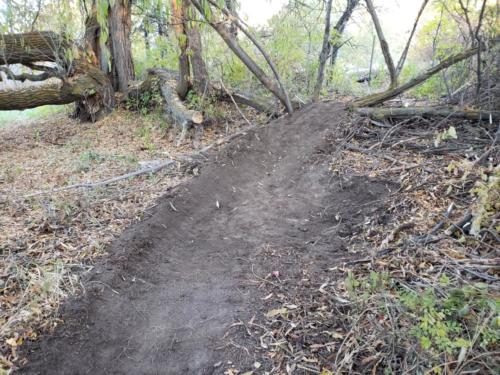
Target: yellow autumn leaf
275	312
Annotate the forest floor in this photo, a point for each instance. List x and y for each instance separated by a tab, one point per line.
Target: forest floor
302	246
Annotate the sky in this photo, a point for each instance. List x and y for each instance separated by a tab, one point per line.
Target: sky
257	12
395	15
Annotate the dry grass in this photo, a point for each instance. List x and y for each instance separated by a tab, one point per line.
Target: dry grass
47	242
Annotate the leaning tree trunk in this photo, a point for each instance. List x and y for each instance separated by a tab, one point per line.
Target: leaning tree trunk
384	46
339	29
68	81
391	93
222	27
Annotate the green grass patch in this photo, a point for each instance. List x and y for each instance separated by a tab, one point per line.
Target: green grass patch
7	117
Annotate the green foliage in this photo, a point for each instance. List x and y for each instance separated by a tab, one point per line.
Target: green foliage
87	160
488	204
145	132
442	318
6	117
443	323
162	53
206	104
450	133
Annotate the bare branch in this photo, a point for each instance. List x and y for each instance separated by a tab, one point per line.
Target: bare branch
383	44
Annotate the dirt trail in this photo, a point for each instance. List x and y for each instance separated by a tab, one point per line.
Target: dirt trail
174	283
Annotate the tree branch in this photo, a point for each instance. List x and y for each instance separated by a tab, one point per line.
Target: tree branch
393	92
26	76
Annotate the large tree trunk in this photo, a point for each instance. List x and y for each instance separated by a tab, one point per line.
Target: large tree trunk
179	21
89	88
70	81
200	74
93	47
120	26
192	69
114	56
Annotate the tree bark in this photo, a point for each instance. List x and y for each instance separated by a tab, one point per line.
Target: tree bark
89	87
32	47
114	56
178	19
78	80
379	98
402	113
383	44
120	26
164	82
195	48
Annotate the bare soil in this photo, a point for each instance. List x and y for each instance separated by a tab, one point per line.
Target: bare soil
173	284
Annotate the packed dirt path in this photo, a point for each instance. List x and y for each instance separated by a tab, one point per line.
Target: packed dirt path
174	283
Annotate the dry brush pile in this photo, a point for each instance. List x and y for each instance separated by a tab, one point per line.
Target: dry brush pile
418	291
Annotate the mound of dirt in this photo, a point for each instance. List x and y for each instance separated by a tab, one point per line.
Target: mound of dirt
174	283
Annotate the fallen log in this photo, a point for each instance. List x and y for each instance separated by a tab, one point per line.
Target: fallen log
406	112
227	94
165	82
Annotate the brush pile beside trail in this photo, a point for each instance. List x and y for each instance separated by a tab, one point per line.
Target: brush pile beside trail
419	289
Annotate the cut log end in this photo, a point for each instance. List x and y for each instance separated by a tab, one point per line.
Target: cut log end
197	118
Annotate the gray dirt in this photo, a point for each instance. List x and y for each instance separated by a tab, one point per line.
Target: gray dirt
173	283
